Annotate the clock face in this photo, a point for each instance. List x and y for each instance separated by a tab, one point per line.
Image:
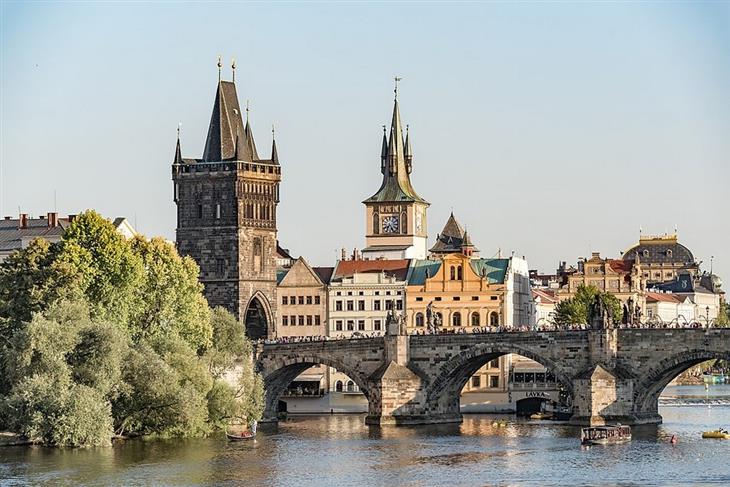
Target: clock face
390	224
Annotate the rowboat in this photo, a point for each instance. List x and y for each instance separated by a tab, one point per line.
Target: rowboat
605	435
246	435
720	434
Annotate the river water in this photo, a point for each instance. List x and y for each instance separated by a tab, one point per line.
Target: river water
341	451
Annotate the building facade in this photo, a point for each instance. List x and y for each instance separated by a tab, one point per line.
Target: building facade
361	293
226	215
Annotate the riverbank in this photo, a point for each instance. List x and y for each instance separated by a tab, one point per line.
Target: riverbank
11	439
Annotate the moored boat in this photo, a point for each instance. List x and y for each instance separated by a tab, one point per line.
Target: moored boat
246	435
719	434
605	435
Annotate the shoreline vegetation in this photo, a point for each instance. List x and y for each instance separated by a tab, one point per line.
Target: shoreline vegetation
103	337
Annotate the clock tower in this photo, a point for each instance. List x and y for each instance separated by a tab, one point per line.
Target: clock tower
395	216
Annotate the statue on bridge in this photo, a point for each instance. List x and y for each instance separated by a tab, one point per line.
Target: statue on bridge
430	319
395	324
600	315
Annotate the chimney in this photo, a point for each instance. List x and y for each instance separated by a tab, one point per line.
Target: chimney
71	218
343	255
52	219
23	220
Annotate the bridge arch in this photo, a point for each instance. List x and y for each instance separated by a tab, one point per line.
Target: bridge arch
453	375
649	385
279	373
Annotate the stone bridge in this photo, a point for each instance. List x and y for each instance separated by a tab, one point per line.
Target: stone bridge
612	375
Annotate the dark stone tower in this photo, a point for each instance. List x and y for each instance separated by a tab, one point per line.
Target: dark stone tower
226	215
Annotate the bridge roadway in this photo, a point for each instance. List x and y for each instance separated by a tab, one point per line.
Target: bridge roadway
613	375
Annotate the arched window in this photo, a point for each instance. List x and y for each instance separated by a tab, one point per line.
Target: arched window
453	273
338	386
419	319
456	319
475	319
459	275
493	319
350	386
403	223
376	223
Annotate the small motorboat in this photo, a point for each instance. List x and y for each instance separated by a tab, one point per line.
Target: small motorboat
720	434
605	435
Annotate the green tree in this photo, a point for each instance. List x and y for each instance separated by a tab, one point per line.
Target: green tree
723	316
576	310
113	273
170	295
229	343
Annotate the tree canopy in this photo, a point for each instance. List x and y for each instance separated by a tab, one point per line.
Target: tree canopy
99	334
576	310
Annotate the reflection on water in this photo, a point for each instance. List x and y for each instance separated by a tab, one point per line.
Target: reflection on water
341	450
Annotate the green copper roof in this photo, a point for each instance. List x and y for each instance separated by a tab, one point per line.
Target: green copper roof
395	166
494	269
419	270
280	274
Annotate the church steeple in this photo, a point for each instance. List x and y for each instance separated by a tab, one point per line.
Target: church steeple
274	153
395	164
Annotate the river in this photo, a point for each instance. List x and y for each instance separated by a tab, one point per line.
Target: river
341	451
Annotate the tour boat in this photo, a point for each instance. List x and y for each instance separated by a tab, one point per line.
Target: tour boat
605	435
720	434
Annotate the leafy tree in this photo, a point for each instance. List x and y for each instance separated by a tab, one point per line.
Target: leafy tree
113	272
229	343
160	398
170	295
576	310
723	316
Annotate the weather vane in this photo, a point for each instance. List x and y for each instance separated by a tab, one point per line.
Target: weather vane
220	65
397	79
233	67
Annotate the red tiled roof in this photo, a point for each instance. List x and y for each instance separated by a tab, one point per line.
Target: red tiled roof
620	266
664	297
544	294
346	268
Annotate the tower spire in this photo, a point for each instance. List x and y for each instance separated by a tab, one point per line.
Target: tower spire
178	153
408	152
220	65
384	153
274	153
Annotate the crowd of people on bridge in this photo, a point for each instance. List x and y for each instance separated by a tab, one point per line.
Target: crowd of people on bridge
482	330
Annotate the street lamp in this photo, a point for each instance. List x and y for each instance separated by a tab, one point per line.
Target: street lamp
707	315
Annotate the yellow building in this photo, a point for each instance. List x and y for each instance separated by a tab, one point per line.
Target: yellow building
457	294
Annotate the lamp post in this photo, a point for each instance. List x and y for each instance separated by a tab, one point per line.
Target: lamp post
707	316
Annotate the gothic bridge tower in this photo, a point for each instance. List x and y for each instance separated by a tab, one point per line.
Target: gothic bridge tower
395	216
226	215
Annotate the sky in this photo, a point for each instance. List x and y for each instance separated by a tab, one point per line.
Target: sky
550	129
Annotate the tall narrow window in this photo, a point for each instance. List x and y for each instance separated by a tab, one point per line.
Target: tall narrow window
200	210
403	223
459	275
453	273
419	319
217	211
257	260
376	223
456	319
475	319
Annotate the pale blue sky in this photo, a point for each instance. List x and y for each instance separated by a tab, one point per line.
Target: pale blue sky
550	129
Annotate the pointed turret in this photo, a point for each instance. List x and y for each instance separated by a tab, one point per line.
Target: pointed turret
451	238
384	153
178	153
467	248
408	151
248	140
274	153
